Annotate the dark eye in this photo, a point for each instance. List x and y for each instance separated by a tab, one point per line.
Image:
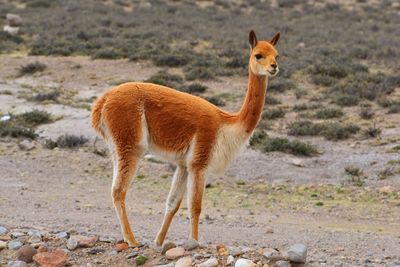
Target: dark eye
258	56
277	56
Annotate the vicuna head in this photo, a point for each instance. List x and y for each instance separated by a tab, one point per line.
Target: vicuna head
263	55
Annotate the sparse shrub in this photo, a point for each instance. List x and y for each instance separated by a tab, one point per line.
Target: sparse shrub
273	113
295	147
39	3
258	138
270	100
386	172
366	114
331	131
303	107
372	132
31	68
194	88
34	118
346	100
10	128
394	108
356	174
106	54
66	141
281	85
324	80
216	100
172	60
329	113
5	92
49	96
166	79
196	72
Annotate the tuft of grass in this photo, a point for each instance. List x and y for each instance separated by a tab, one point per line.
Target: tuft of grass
394	108
356	174
39	3
366	114
285	145
67	141
281	85
216	100
303	107
345	100
49	96
270	100
172	60
331	131
34	118
8	128
194	88
31	68
260	140
329	113
166	79
372	132
273	113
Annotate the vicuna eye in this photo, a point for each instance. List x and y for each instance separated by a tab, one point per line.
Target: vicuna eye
258	56
277	56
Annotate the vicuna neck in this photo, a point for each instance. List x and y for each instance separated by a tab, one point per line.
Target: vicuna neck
253	104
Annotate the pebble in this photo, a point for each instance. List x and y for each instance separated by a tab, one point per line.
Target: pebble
269	231
5	238
244	263
72	244
283	264
3	245
298	162
174	253
26	253
106	239
230	260
113	253
84	241
167	246
11	30
15	244
26	145
121	246
140	260
270	252
62	235
17	264
57	258
95	251
222	250
211	262
191	244
297	253
14	20
16	234
3	230
235	251
184	262
35	238
132	255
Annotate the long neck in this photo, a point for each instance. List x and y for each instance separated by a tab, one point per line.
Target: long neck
253	104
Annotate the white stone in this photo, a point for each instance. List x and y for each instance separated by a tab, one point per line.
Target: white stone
3	245
244	263
211	262
230	260
11	30
297	253
14	20
184	262
17	264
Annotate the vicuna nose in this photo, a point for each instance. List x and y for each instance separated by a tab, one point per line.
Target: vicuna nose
274	65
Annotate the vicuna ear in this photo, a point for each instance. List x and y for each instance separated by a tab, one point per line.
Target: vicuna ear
275	40
252	39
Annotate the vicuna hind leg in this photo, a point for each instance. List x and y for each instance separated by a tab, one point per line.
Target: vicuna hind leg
125	165
196	184
178	188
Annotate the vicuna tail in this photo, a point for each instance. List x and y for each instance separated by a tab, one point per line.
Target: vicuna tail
97	110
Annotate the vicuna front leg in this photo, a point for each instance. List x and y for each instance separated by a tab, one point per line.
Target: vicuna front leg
178	188
196	185
124	168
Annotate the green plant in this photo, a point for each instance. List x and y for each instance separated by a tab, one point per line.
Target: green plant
216	100
372	132
166	79
67	141
366	114
273	114
295	147
194	88
31	68
329	113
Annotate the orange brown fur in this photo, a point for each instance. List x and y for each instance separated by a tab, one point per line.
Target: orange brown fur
198	136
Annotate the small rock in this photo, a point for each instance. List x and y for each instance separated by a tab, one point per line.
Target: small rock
167	246
298	162
3	245
17	234
5	238
297	253
184	262
17	264
62	235
386	189
42	248
106	239
211	262
57	258
113	253
132	255
140	260
14	20
174	253
222	250
95	251
15	244
35	238
191	244
166	265
230	260
235	251
269	231
244	263
72	244
283	264
11	30
3	230
270	252
84	241
121	246
26	253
